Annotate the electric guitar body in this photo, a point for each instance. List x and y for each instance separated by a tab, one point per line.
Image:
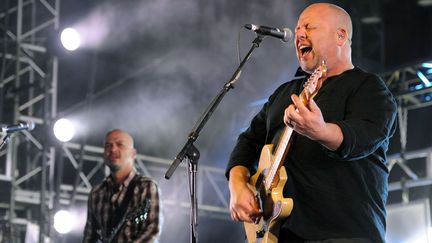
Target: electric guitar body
269	180
275	206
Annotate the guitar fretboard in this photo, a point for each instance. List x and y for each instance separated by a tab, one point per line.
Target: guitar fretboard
311	88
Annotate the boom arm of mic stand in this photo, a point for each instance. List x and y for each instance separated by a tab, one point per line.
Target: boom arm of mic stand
193	135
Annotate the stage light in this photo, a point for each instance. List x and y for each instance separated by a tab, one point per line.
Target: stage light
424	3
63	222
427	65
424	79
64	130
70	39
419	86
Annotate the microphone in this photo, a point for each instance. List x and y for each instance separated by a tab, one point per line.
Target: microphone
285	34
18	127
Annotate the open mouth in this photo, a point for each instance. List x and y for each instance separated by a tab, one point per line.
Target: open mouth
305	50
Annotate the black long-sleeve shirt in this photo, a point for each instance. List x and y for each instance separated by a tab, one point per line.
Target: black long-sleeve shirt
337	194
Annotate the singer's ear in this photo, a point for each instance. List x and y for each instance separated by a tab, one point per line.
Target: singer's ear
341	36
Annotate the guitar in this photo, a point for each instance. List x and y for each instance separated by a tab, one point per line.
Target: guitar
268	182
136	215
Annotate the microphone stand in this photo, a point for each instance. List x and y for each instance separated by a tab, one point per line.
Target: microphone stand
191	153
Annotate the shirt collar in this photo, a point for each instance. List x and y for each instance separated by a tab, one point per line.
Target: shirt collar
112	183
300	73
129	178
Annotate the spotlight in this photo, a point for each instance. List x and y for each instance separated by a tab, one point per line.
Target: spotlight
64	130
424	79
70	39
424	3
63	222
427	65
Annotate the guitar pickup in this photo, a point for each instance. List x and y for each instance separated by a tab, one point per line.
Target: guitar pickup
260	234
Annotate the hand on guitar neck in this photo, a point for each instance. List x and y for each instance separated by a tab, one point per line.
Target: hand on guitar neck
309	122
305	117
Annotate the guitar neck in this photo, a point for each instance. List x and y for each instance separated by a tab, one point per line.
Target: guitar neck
311	87
279	155
282	147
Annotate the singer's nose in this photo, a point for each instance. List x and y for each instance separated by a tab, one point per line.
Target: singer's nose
300	34
301	37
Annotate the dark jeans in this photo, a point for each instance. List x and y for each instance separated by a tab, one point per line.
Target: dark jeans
289	237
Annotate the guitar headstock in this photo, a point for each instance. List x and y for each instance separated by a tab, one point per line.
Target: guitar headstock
140	213
314	83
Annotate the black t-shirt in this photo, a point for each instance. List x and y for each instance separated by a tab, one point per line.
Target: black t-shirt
337	194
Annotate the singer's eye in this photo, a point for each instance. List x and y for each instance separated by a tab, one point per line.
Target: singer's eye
307	27
310	27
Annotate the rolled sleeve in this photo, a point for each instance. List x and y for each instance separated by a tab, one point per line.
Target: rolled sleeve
369	121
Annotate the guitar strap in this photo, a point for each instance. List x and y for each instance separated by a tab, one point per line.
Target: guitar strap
120	211
104	234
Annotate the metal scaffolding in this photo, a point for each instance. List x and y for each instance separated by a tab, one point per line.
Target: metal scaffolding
32	165
412	93
29	93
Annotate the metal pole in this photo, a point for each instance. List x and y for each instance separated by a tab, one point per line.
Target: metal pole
12	147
